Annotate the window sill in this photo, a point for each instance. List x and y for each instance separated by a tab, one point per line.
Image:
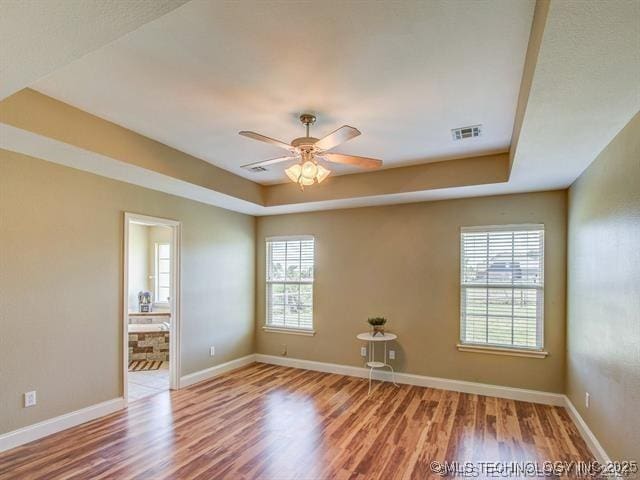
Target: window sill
290	331
514	352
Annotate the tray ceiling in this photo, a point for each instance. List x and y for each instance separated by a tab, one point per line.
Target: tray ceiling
403	73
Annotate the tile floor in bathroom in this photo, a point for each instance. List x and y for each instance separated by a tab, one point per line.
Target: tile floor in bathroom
150	382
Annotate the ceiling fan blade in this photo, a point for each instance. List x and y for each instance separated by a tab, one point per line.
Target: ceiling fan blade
337	137
262	138
271	161
362	162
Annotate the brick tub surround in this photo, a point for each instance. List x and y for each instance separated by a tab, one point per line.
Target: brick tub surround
149	346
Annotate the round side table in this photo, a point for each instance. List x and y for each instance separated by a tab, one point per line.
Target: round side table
371	353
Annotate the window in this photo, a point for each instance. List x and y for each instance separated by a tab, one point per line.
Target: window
502	286
290	283
162	272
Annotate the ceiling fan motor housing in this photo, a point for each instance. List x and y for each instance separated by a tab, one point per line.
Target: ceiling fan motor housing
304	143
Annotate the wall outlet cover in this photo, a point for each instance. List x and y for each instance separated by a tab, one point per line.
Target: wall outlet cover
392	354
363	351
30	398
212	351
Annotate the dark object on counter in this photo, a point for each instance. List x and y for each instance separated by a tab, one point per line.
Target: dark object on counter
144	301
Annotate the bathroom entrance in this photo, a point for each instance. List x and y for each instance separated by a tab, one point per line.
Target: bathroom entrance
151	313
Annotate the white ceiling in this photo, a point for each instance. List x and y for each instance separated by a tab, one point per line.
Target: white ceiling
196	76
404	73
585	89
39	36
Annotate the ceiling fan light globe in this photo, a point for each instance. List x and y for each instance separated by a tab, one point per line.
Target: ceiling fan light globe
309	169
307	181
322	173
293	172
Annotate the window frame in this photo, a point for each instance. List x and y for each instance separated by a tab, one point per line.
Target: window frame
156	273
270	327
536	351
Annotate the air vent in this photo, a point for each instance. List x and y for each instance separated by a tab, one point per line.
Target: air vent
257	169
466	132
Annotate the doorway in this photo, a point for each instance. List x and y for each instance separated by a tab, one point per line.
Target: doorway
151	313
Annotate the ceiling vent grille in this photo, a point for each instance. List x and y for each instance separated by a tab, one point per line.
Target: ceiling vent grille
466	132
257	169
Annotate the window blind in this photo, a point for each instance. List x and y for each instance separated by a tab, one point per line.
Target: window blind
290	263
502	286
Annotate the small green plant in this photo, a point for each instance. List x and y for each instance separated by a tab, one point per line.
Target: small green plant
377	325
377	321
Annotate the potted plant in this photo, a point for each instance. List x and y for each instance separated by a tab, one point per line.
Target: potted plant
377	325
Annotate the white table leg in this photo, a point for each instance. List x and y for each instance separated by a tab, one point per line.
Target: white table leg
370	356
393	375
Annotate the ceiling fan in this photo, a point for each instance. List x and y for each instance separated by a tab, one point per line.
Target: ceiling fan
310	151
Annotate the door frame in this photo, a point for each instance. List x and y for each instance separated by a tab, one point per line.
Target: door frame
174	304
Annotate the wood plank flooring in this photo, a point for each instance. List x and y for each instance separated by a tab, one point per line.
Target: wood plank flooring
270	422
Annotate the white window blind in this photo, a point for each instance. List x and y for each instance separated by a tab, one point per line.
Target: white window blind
290	262
163	272
502	286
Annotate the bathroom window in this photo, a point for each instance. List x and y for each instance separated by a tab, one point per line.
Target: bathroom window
162	272
290	264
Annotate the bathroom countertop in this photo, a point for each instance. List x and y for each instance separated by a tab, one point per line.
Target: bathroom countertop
150	314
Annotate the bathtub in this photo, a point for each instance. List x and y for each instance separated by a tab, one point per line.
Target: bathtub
149	341
148	327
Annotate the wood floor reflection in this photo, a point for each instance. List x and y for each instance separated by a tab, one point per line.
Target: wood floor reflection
270	422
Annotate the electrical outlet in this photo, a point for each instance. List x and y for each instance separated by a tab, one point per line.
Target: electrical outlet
392	354
587	399
30	398
363	351
283	352
212	351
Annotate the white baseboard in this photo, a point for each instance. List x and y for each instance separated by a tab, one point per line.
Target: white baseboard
588	436
212	372
534	396
57	424
47	427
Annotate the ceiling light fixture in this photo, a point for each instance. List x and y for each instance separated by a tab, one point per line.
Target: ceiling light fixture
307	172
309	151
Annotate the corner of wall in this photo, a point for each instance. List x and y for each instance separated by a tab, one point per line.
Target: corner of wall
256	283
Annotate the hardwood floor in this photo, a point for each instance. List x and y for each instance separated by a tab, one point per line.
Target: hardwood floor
271	422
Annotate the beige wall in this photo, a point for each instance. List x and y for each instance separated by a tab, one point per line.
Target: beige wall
427	176
603	304
403	262
61	248
142	258
139	262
